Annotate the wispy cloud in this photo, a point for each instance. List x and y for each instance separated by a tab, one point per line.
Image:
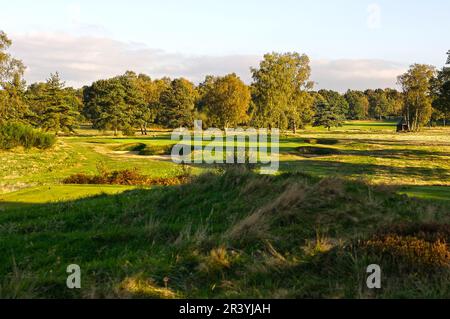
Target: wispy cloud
374	16
83	59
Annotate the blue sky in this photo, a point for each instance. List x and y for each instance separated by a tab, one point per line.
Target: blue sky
361	43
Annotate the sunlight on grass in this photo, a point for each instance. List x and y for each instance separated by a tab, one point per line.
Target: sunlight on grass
370	150
135	287
57	193
428	192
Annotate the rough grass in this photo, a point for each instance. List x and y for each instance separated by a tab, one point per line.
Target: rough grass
189	241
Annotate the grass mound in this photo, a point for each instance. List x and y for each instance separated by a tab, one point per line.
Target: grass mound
226	234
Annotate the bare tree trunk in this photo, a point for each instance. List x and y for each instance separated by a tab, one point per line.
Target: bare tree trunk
407	118
416	124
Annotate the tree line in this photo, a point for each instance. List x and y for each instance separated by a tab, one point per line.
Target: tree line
281	95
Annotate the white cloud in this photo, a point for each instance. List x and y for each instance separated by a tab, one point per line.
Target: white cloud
374	16
82	60
357	74
74	13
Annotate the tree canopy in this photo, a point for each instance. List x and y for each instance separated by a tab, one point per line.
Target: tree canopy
278	85
113	103
12	85
280	95
53	107
326	114
358	105
226	100
177	104
416	85
441	91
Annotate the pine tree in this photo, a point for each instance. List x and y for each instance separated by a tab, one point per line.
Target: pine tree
327	115
178	103
52	106
113	103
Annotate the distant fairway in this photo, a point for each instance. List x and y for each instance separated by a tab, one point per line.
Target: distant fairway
418	164
229	233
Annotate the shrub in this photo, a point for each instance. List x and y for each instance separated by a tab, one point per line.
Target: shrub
78	179
128	131
17	134
412	251
125	177
416	246
426	231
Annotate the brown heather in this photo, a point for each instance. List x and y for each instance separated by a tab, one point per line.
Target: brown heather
411	251
125	177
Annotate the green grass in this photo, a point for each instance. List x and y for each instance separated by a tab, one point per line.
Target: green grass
302	231
21	169
57	193
441	193
222	236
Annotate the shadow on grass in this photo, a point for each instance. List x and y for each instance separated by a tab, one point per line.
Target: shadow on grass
170	231
405	154
327	167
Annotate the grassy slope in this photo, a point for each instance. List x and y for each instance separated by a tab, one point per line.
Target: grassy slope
227	235
127	243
